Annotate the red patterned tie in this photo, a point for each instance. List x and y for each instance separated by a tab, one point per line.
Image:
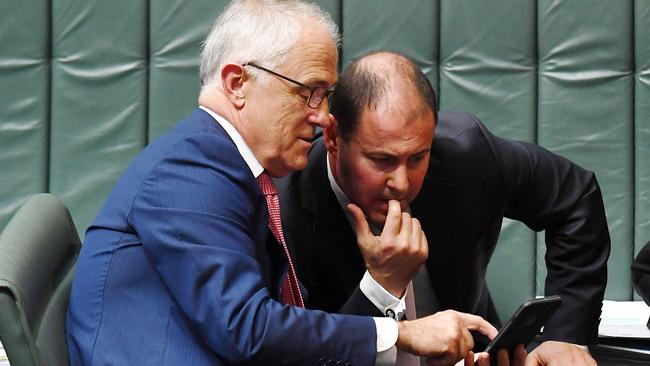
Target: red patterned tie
290	291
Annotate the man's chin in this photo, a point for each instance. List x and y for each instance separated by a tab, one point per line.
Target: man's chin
377	220
297	163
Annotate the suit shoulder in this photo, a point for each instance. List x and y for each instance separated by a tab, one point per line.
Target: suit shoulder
454	123
195	164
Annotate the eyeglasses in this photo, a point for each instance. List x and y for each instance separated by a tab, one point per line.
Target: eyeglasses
316	95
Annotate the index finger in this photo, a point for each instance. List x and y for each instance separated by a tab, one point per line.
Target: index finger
475	322
393	218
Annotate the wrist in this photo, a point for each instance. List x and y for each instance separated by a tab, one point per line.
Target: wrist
402	334
395	288
386	303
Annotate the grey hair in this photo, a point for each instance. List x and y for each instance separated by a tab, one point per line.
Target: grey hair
259	31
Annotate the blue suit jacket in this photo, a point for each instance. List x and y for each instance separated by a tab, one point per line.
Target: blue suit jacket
178	268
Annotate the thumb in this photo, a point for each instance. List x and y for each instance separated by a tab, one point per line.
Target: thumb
361	227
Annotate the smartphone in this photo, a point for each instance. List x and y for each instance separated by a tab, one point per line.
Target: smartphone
524	324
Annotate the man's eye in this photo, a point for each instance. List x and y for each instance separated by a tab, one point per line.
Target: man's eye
304	94
417	158
382	160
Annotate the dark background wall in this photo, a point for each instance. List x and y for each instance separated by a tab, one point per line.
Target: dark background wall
86	84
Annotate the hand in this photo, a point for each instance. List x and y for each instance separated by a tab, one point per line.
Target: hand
483	358
551	353
393	258
444	337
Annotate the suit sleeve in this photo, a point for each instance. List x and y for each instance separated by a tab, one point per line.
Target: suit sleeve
641	273
359	304
548	192
200	226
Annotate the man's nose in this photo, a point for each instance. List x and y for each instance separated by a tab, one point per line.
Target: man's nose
398	181
320	116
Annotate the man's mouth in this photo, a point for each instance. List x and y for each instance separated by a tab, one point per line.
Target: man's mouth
308	139
384	203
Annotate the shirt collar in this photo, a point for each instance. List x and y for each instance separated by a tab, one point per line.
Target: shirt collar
245	151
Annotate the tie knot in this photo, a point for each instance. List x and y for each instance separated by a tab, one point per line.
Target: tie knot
266	184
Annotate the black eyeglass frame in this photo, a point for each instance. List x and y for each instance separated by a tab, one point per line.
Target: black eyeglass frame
316	94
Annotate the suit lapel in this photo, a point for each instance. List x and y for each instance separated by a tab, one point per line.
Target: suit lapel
430	206
331	228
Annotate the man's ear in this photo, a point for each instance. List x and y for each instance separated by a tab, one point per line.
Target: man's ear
233	77
331	136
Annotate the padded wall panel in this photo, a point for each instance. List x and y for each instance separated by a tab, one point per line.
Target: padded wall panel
488	63
516	252
175	47
488	67
409	27
585	107
99	98
24	97
642	124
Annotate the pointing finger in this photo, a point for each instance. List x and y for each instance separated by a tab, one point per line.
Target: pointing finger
393	218
475	322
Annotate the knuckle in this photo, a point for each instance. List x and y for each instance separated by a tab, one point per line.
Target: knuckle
454	316
416	223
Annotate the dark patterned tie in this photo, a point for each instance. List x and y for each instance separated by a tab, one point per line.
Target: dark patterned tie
290	291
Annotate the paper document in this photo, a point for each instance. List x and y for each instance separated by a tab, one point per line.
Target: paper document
3	356
624	319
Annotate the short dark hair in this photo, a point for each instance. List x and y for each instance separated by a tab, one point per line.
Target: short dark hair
361	86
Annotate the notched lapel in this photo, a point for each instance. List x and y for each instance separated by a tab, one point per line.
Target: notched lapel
338	245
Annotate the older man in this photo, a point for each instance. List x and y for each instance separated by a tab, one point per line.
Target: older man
460	185
186	262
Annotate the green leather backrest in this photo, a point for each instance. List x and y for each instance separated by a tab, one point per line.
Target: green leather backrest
85	84
38	250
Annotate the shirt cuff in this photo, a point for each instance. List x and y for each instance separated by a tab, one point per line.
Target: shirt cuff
386	335
387	304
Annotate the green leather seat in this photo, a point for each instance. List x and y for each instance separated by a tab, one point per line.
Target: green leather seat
38	251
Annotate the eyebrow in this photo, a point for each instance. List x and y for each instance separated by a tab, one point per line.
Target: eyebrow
386	153
315	80
319	83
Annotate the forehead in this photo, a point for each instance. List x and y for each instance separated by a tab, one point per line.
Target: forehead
313	58
393	131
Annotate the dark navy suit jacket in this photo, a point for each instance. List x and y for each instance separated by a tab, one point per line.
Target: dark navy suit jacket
474	180
178	269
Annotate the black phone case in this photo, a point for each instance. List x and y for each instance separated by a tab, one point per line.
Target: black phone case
524	324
